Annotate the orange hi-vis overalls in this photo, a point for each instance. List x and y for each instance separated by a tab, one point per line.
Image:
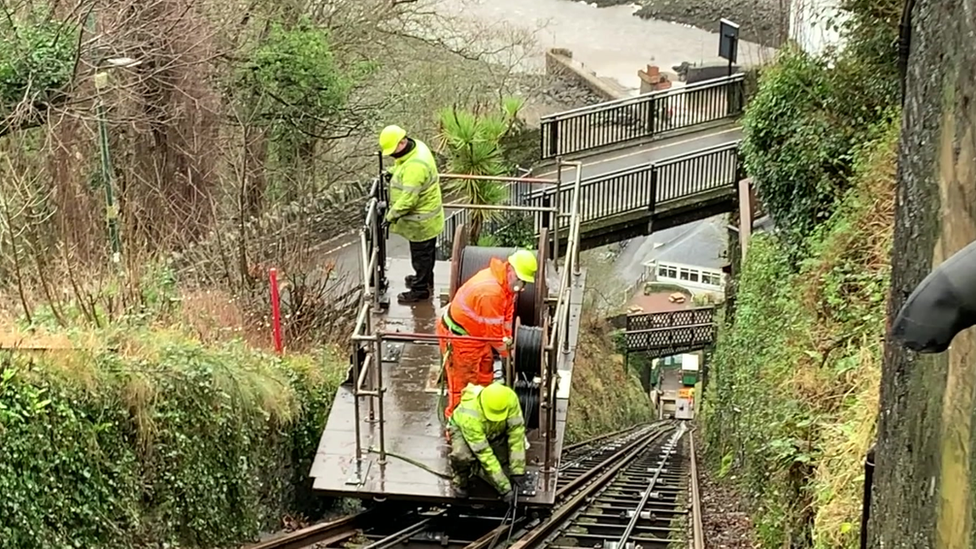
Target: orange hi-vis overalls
484	306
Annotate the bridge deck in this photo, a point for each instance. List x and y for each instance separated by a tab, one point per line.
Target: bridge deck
644	152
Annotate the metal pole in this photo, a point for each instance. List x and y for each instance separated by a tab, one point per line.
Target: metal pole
378	267
111	210
555	221
356	413
378	364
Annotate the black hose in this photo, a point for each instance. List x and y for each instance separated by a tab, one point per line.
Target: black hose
475	258
528	351
530	399
866	503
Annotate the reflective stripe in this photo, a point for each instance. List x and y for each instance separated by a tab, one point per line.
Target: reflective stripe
416	189
480	446
517	457
462	303
423	216
501	481
451	325
468	412
515	421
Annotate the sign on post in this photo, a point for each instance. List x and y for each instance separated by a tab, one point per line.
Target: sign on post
728	42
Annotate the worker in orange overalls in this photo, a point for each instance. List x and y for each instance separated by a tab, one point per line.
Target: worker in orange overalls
484	306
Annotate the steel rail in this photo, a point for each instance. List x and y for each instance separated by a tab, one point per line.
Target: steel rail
538	534
629	529
329	533
484	541
697	528
619	455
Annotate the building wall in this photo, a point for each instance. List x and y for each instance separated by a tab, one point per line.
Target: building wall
698	280
810	23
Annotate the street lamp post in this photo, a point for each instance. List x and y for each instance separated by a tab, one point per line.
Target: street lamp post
111	208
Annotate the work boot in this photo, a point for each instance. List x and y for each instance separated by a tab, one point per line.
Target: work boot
410	278
413	297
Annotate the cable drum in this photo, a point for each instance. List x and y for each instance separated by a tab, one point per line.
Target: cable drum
528	351
529	398
474	258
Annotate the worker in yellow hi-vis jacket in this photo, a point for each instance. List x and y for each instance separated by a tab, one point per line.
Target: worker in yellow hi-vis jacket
415	212
487	430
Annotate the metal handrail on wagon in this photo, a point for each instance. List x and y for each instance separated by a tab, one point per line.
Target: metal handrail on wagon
373	263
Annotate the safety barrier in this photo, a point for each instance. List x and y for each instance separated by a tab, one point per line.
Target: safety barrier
642	117
665	333
646	186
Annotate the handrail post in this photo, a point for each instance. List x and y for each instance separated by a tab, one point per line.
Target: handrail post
356	411
378	364
555	217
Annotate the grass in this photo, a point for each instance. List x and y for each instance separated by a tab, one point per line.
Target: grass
605	396
171	431
794	386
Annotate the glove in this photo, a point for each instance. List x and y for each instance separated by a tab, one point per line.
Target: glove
518	483
387	176
507	342
508	497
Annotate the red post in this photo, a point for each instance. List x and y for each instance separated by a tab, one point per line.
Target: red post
275	311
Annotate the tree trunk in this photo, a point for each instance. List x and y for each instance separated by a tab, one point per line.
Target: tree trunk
923	493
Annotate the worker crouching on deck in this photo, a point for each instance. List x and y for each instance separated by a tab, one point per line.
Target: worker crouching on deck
487	430
484	307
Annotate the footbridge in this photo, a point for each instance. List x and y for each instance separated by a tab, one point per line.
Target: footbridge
648	163
668	333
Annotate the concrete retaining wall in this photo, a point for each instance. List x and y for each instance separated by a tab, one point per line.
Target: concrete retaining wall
560	62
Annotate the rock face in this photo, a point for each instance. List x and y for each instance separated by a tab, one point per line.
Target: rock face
764	22
923	491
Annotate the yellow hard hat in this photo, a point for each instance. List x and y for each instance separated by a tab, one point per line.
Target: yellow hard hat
390	137
525	265
495	399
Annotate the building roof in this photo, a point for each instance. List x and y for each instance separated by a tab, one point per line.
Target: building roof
699	244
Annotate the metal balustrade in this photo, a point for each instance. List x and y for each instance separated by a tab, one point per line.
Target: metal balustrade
647	186
642	117
670	332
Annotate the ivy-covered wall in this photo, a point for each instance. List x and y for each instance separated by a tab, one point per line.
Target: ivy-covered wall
160	442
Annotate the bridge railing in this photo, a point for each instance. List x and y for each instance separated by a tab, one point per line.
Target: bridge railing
670	331
645	186
642	117
516	189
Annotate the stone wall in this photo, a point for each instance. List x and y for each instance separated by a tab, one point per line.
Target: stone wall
923	491
560	63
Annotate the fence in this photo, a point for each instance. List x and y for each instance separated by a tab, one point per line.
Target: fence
642	117
670	332
646	186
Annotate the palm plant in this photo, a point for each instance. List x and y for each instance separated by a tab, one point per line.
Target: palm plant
471	140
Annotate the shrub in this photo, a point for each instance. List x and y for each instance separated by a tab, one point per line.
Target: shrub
162	441
793	392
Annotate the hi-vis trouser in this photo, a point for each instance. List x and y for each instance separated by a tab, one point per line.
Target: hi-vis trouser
465	362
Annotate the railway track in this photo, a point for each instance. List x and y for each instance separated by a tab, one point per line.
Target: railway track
625	488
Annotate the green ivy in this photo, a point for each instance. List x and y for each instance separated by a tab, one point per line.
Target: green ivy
180	444
797	153
791	400
37	58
